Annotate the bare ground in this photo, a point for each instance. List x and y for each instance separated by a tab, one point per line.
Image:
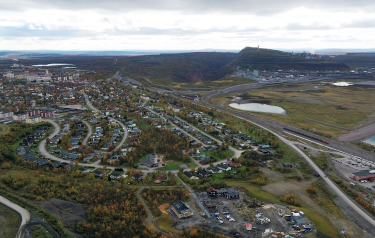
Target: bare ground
364	131
360	134
354	226
68	212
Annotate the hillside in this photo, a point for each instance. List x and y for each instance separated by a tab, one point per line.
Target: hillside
357	59
184	67
266	59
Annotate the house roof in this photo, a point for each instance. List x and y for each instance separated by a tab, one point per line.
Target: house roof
363	173
180	207
188	174
137	176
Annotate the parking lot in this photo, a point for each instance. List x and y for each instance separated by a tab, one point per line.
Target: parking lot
346	169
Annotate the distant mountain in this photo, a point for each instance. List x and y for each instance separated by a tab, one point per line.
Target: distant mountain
267	59
357	59
184	67
101	53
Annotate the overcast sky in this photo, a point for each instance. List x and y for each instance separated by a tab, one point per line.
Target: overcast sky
185	24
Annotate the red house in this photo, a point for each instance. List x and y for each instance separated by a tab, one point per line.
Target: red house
234	165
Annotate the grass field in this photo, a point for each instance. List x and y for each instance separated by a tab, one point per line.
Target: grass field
9	222
88	108
322	223
175	165
39	232
3	128
220	155
224	82
165	223
347	107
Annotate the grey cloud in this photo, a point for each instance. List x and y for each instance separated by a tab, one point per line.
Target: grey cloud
191	6
299	27
360	24
67	32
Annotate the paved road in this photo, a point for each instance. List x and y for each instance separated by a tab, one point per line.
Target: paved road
124	136
25	215
237	153
120	123
84	142
45	153
346	147
88	102
150	217
332	185
193	195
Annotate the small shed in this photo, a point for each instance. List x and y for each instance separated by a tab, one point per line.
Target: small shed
249	227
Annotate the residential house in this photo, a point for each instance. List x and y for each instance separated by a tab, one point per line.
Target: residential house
224	167
214	170
190	175
138	177
264	146
20	117
98	174
56	165
161	178
87	159
234	165
231	194
204	174
150	161
211	192
115	176
34	119
84	170
205	160
181	210
264	151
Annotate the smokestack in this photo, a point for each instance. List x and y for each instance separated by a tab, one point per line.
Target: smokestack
258	47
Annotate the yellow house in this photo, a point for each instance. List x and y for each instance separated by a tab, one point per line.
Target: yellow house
181	210
34	119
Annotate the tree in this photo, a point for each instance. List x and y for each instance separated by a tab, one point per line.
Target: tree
192	169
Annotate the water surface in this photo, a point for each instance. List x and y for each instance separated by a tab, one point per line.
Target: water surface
257	107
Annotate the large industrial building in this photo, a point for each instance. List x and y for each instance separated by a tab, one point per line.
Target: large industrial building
363	175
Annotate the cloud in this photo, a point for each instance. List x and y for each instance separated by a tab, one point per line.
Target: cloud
184	24
299	27
256	7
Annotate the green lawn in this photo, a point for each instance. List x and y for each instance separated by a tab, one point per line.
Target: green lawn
86	106
3	128
39	232
220	155
165	223
175	165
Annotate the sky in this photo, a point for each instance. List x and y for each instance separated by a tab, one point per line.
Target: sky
85	25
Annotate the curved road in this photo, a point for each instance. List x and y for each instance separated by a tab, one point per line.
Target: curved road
84	142
321	173
237	153
348	148
25	215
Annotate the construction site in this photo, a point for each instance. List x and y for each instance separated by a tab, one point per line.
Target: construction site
249	217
